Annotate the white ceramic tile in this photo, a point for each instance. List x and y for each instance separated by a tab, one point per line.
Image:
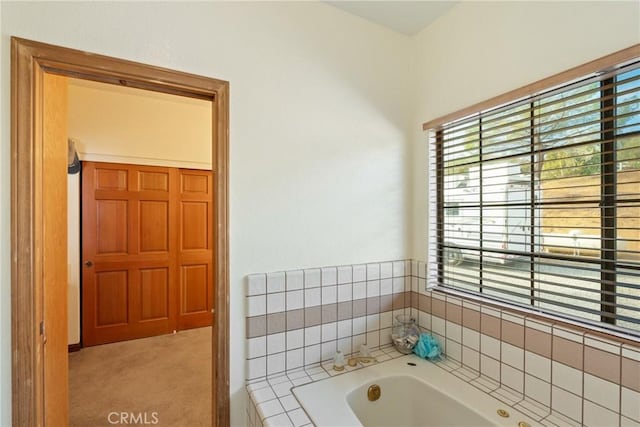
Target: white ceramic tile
407	283
311	354
312	278
597	416
386	320
329	331
631	352
424	320
344	345
256	347
602	392
295	358
630	404
345	292
280	420
275	343
329	276
398	269
385	336
386	286
512	378
328	350
489	346
567	334
256	368
345	274
490	311
312	297
357	341
471	338
490	367
329	295
512	355
359	290
397	285
359	325
262	396
386	270
359	273
454	350
299	418
373	288
295	299
294	280
602	344
282	388
471	358
539	325
414	284
537	366
344	328
373	339
257	284
373	271
312	335
275	363
256	305
567	377
537	389
275	282
373	322
276	302
628	422
566	403
513	318
289	403
454	331
295	339
438	325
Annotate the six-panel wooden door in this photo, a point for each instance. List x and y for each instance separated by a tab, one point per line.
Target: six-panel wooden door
147	251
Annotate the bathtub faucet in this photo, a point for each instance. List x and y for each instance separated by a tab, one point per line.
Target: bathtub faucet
353	361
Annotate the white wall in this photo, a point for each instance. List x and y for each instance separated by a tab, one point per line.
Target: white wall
126	125
483	49
319	128
73	258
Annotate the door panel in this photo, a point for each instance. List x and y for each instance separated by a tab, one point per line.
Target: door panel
196	254
147	238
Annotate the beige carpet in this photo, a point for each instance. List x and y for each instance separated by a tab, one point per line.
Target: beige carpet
165	378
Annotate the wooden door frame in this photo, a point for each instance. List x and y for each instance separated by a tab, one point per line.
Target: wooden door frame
29	61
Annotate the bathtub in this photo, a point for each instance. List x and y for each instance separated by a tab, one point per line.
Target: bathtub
423	395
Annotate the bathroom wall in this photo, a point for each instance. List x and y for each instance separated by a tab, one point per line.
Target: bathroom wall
301	317
553	371
479	50
547	369
319	129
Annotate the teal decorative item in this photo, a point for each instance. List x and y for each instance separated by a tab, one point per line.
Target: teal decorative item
427	347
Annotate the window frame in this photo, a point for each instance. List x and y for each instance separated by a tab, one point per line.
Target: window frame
607	174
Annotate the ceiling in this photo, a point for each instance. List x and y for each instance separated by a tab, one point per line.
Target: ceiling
407	17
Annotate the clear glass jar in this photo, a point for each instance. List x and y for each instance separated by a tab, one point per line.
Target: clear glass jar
405	333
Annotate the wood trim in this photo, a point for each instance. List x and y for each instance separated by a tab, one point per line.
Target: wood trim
30	59
532	89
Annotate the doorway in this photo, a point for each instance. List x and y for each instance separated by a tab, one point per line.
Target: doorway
33	320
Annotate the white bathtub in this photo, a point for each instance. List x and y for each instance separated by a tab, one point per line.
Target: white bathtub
424	395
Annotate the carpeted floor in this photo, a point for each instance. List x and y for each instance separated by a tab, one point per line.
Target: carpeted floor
166	379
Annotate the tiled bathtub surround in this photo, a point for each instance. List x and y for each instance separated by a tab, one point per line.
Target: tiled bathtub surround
301	317
556	373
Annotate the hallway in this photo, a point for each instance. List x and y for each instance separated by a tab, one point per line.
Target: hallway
165	378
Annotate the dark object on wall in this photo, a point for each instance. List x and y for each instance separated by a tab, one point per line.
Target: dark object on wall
73	163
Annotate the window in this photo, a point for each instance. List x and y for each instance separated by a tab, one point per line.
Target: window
537	203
